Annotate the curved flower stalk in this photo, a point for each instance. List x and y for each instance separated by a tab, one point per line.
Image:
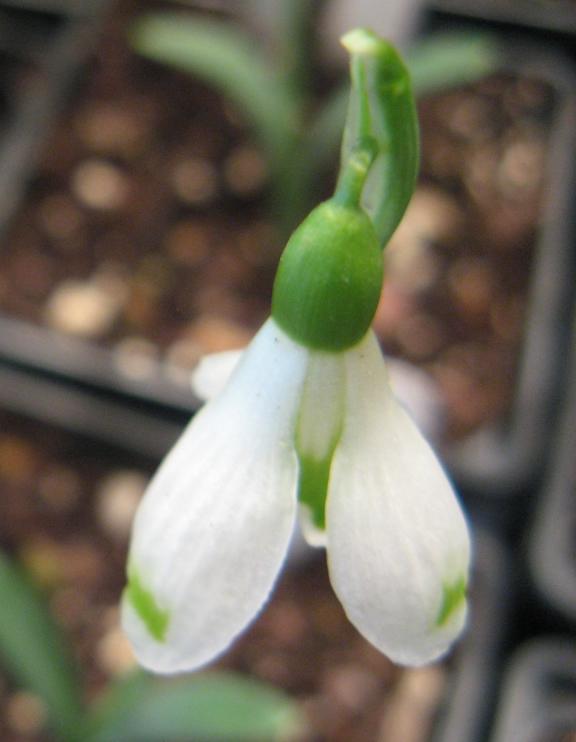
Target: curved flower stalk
307	428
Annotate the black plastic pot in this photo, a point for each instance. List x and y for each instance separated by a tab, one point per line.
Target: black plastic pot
43	44
538	701
552	556
506	459
85	412
558	16
90	372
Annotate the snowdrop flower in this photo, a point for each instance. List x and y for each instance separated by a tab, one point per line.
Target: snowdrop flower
306	429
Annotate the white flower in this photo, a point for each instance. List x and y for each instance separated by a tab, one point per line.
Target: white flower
213	529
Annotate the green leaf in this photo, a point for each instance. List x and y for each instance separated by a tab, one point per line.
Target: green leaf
115	705
446	60
210	707
290	30
33	651
230	61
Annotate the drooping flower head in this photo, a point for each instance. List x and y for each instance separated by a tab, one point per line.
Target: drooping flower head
308	428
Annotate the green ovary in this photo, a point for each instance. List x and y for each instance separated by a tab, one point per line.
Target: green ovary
329	279
144	603
453	596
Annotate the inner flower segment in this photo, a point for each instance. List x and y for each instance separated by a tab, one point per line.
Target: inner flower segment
318	430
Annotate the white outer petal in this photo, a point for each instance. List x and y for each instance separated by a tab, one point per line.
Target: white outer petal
214	526
413	387
395	529
213	373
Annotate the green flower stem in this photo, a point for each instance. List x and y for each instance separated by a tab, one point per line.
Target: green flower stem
354	172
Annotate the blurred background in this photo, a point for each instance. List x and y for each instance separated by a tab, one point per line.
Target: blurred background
154	156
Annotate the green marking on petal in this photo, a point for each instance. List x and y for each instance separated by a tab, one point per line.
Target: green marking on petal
453	595
144	603
313	487
318	430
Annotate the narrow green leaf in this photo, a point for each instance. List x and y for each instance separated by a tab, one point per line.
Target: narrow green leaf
447	60
206	708
229	60
292	35
33	651
116	704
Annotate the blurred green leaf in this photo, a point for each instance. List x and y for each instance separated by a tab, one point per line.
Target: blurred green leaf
211	707
115	705
289	27
229	60
446	60
33	651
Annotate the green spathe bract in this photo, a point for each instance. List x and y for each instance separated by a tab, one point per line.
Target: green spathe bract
329	279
